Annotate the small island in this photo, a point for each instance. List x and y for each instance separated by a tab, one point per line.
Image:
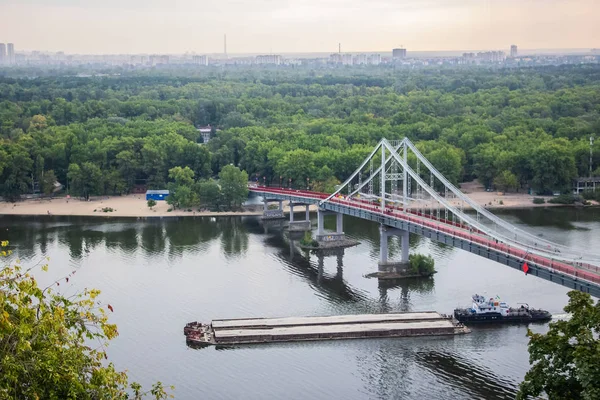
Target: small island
309	243
418	266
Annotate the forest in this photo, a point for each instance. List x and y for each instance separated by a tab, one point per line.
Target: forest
512	128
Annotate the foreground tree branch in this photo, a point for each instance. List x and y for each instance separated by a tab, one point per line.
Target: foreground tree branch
44	343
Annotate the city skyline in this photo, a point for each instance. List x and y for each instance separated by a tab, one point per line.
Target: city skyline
267	26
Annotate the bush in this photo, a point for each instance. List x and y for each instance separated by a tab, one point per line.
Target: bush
308	240
421	264
538	200
566	199
108	209
591	195
151	203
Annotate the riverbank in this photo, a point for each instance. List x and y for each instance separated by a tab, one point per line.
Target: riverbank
136	206
121	206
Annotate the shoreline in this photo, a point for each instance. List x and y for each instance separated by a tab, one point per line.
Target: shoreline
134	206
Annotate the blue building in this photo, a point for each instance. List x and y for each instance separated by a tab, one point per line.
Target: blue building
157	195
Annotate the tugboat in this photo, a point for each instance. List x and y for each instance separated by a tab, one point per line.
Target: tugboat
493	310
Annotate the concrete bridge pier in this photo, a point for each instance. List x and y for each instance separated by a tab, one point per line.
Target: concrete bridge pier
330	240
386	266
272	214
301	226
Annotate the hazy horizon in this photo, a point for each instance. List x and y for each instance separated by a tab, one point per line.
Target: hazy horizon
301	26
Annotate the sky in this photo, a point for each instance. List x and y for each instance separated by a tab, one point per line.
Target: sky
284	26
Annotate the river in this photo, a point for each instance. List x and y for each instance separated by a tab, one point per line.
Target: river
159	274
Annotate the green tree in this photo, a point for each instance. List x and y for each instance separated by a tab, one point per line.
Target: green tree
151	203
16	176
86	179
325	181
566	360
128	167
181	191
421	264
182	176
297	165
554	166
210	194
234	186
506	181
53	347
48	182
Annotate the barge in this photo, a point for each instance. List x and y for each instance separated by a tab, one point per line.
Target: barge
293	329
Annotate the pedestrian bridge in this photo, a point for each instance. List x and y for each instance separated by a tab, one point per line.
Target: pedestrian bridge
406	194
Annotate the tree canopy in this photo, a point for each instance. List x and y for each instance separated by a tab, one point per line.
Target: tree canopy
566	360
286	125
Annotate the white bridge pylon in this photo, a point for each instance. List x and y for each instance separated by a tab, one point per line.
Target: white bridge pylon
396	175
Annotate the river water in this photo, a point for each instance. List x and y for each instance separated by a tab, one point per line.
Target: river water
159	274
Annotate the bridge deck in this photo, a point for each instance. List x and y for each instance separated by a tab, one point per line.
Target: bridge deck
577	275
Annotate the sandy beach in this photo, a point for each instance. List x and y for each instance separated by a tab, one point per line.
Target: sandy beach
123	206
135	205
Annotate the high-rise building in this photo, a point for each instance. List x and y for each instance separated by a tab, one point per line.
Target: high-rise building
335	58
398	54
200	60
10	53
158	59
2	53
374	59
360	59
513	51
347	59
274	59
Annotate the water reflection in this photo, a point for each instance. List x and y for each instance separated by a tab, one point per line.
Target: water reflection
386	369
234	236
311	267
406	287
153	236
476	381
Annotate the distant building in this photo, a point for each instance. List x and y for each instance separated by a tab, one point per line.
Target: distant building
10	55
335	58
270	59
205	132
2	53
157	195
156	60
485	57
360	59
586	184
513	51
200	60
374	59
347	59
398	54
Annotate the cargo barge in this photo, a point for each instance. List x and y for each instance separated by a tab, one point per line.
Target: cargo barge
293	329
